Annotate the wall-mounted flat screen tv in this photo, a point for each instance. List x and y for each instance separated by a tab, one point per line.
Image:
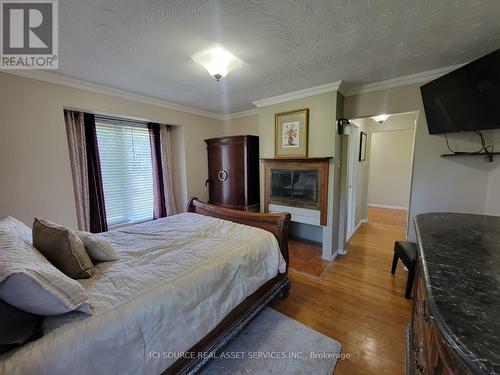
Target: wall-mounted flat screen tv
466	99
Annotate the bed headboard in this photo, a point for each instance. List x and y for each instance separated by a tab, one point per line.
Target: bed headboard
276	223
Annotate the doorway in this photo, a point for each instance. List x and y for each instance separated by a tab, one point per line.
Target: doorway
378	168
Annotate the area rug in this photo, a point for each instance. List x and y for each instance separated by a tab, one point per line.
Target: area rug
276	344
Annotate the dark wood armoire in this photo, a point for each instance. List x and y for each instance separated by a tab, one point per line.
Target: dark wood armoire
233	172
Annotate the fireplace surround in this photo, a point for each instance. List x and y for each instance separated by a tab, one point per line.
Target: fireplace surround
300	183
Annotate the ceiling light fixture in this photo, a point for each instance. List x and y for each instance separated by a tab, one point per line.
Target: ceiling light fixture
380	118
217	61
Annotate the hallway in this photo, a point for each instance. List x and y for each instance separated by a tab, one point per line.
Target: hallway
359	302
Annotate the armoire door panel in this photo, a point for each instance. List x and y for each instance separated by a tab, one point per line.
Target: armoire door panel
232	171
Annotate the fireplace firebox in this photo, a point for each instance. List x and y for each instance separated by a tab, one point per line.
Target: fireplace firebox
295	187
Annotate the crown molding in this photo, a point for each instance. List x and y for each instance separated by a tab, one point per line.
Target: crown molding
402	81
322	89
61	80
250	112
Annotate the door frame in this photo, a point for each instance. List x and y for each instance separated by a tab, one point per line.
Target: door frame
347	163
347	206
352	183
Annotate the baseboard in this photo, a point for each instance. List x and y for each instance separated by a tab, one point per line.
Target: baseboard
401	208
357	227
364	221
334	255
330	258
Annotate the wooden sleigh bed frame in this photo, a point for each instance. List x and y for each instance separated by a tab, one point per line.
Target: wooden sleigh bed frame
201	353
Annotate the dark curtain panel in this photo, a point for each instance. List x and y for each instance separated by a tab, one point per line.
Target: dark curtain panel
158	188
98	221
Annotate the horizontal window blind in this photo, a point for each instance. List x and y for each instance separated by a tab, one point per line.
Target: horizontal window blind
127	172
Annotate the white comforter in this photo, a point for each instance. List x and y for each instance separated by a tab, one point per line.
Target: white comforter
175	280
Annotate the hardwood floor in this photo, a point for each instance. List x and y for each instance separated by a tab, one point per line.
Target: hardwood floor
358	303
387	216
305	258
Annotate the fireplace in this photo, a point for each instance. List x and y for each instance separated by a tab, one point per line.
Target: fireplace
295	187
298	186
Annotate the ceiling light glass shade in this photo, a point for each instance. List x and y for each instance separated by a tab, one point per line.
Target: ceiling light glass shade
380	118
217	61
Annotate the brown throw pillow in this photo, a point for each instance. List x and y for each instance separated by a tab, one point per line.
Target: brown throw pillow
62	247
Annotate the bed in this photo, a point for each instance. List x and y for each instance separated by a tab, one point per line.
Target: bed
182	288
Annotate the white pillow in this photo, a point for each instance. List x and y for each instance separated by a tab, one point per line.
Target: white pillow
31	283
14	225
97	248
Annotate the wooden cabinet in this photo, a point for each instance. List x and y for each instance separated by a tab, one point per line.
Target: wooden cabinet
454	327
233	172
428	351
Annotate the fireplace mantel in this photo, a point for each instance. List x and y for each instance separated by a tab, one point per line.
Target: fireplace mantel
297	160
297	164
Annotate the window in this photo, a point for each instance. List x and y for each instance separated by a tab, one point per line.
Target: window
127	171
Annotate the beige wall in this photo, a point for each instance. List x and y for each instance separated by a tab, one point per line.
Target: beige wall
34	160
390	168
459	184
322	112
321	140
242	126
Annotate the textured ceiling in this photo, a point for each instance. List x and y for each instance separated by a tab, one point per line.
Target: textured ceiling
144	46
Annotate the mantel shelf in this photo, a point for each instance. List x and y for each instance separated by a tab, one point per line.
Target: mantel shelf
294	160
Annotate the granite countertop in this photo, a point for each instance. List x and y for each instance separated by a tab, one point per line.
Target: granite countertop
460	259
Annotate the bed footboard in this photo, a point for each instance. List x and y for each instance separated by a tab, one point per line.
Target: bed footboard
275	223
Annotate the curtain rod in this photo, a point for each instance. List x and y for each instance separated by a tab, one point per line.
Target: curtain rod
119	119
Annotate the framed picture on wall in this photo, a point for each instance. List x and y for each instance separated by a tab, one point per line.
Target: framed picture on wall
291	134
362	146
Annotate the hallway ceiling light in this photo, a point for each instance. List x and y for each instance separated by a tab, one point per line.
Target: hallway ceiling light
380	118
217	61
